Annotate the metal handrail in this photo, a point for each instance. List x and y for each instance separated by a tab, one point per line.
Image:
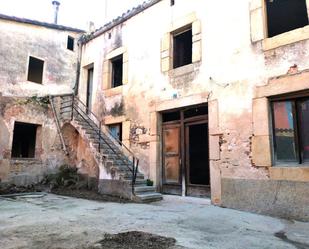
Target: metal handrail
98	130
117	140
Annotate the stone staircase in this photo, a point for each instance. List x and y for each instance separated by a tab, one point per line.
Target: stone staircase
119	173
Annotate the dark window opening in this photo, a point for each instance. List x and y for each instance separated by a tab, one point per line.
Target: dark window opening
70	43
172	2
117	71
182	54
24	140
197	111
285	15
171	116
290	130
35	70
116	131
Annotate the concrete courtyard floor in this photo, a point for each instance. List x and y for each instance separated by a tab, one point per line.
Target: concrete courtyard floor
52	221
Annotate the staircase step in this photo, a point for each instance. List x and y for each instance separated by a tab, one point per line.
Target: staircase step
138	176
138	182
143	189
149	197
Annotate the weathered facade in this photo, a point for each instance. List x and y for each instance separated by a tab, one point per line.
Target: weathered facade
235	70
35	63
212	100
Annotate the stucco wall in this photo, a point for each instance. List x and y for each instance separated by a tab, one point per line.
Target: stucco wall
18	41
228	77
48	150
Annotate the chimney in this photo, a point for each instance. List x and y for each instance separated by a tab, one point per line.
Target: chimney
91	27
56	9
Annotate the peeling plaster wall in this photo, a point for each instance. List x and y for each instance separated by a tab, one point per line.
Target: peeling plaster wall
80	155
228	76
48	153
18	41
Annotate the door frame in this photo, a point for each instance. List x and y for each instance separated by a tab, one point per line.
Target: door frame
183	168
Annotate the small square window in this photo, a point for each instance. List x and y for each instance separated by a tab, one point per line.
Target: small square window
24	140
285	15
182	48
35	70
117	71
70	43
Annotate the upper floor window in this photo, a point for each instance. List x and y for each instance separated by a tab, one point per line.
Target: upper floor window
182	48
290	130
35	70
285	15
70	43
117	71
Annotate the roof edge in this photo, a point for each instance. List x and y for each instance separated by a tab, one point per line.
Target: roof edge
39	23
120	19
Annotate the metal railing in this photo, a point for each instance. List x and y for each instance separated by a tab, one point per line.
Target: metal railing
77	108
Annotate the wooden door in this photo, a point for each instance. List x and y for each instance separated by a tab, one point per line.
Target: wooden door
171	159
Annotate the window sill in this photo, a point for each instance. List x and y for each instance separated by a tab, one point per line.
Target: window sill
290	173
37	83
113	91
287	38
183	70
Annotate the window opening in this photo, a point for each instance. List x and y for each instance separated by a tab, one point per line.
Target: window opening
35	70
182	54
70	43
117	71
24	140
285	15
290	125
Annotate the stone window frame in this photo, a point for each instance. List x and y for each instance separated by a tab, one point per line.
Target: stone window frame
107	71
258	25
262	145
167	41
43	72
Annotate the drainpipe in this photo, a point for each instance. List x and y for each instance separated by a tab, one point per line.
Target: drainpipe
56	5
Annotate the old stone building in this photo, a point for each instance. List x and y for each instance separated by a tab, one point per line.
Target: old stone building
37	59
213	102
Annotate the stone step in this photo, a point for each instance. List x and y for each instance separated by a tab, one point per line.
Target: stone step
129	176
144	189
149	197
138	182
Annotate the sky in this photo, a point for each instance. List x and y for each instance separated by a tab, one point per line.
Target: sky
73	13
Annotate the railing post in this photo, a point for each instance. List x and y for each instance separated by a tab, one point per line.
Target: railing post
133	176
99	136
72	107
